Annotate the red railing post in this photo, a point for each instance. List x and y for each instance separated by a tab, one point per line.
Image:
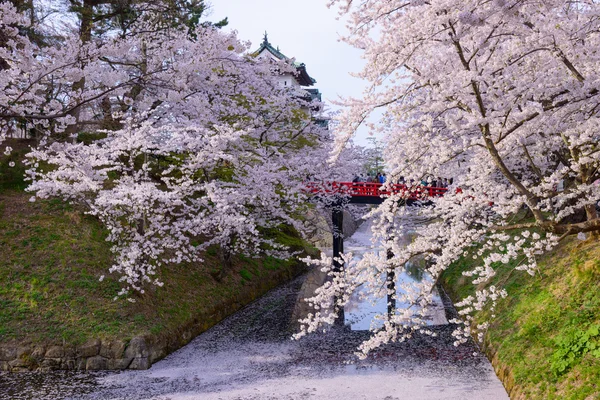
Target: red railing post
371	189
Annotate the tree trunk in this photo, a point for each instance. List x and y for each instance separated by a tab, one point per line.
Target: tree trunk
225	259
85	34
391	288
591	213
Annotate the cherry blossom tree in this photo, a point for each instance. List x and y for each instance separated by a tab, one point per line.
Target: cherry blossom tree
48	87
17	60
64	75
205	147
501	96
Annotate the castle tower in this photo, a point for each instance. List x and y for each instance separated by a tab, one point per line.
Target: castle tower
300	79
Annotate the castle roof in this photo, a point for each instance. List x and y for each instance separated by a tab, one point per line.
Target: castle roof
302	77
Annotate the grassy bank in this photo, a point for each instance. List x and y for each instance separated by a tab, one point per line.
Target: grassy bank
545	339
52	257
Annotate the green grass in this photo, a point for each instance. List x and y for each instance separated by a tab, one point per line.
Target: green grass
245	275
286	235
52	257
12	178
545	330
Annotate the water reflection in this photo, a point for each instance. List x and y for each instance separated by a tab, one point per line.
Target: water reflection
362	308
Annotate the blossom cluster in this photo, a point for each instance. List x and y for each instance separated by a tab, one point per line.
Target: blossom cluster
500	96
174	142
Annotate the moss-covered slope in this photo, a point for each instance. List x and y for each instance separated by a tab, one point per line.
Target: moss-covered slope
544	340
52	257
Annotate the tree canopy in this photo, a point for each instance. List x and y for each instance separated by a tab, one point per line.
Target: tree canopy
501	96
168	132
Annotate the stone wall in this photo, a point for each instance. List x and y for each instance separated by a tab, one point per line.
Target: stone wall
141	351
503	371
321	236
350	225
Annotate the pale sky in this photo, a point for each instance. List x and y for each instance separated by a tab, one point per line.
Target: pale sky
304	29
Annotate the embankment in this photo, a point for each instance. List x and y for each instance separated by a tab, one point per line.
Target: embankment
56	314
544	340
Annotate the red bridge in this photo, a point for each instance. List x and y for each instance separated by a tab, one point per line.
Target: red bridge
372	193
365	193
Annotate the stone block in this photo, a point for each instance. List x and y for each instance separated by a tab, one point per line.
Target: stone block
55	352
89	349
70	351
38	353
19	363
112	350
23	352
51	363
119	363
158	351
140	363
137	348
68	364
8	353
96	363
80	364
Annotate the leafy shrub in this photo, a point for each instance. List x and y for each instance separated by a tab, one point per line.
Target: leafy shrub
246	275
571	348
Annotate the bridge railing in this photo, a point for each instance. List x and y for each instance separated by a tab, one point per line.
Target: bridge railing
371	189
